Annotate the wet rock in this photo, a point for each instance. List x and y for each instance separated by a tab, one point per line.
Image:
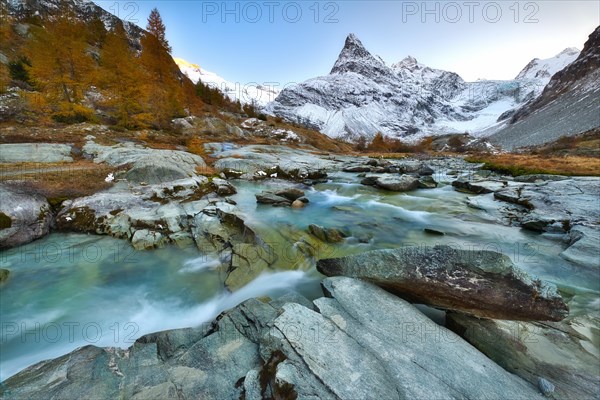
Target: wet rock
433	231
35	153
298	204
584	246
223	188
290	193
4	273
481	283
357	341
403	183
317	231
546	387
145	239
371	342
558	352
478	186
329	235
24	217
425	170
427	182
562	205
281	162
357	168
272	199
369	181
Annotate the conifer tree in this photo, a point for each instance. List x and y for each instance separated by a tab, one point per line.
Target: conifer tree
157	28
378	143
121	78
164	86
60	65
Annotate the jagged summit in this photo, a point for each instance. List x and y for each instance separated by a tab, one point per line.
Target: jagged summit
354	57
408	62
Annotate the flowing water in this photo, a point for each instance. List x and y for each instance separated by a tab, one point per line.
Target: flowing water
71	290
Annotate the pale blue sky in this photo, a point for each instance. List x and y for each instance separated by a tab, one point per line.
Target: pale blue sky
286	41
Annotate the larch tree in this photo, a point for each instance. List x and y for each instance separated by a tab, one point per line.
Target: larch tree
378	143
157	28
121	78
60	64
164	87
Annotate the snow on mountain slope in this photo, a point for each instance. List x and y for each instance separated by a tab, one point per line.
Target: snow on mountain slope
245	93
544	69
362	95
568	106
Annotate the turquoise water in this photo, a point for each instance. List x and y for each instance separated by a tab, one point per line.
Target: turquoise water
70	290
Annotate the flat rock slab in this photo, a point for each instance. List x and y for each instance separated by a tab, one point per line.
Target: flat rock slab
35	152
480	283
573	201
562	205
147	165
264	161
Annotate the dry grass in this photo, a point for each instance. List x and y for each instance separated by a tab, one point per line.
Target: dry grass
585	145
392	156
206	171
524	164
195	145
57	181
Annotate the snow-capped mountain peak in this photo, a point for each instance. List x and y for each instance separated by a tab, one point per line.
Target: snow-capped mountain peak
362	95
544	69
354	57
409	62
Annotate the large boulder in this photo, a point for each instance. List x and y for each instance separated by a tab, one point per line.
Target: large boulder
291	194
562	353
362	342
273	199
481	283
402	183
358	342
24	217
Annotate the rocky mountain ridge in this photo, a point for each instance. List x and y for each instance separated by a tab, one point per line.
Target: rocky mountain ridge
362	95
